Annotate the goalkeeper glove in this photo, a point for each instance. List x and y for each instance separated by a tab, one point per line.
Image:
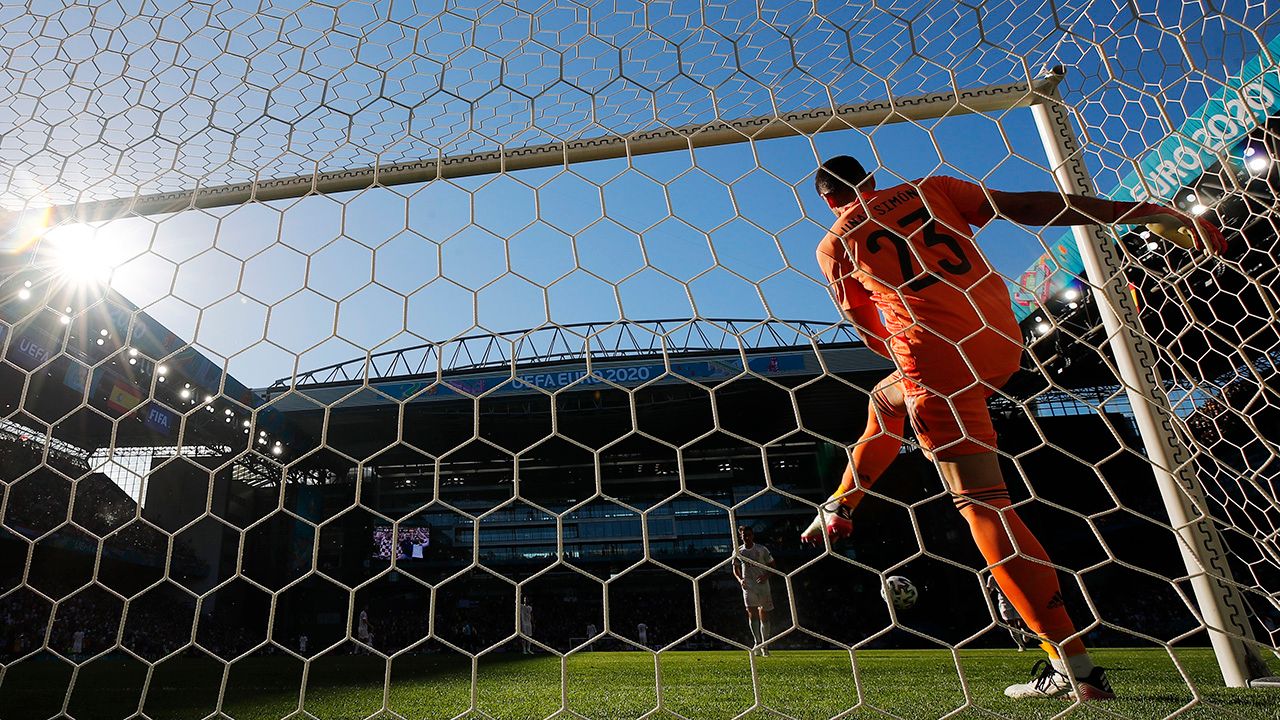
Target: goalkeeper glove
834	519
1179	228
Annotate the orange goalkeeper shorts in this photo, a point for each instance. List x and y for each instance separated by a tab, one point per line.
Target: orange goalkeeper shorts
947	393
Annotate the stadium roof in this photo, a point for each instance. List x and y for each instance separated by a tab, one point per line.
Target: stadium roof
591	341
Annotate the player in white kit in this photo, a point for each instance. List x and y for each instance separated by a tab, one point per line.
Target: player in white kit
642	633
526	626
750	561
362	630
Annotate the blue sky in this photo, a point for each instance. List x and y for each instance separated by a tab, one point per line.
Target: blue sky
138	99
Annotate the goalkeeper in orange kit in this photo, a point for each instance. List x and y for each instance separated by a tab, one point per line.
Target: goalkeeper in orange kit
904	269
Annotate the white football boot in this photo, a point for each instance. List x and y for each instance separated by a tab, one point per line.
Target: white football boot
1048	682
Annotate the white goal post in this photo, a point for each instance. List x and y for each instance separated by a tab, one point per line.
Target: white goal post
1221	605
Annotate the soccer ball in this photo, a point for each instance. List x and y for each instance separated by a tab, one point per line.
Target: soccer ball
899	591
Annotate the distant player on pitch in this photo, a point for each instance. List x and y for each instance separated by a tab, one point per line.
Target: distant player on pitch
904	269
526	627
362	630
750	561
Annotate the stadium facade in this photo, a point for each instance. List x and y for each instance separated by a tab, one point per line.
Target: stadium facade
573	456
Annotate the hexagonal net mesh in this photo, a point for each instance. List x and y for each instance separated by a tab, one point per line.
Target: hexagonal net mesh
421	359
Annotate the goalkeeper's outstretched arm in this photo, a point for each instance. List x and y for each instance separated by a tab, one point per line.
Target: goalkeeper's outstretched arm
1051	208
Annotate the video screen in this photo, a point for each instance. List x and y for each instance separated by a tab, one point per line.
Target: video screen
412	542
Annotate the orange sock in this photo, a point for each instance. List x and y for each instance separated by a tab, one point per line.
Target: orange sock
1032	588
876	450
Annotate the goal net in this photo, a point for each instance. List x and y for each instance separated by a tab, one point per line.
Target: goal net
423	359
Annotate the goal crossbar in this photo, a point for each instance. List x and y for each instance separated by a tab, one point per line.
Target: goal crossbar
991	98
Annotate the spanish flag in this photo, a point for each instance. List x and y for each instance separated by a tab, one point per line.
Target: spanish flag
123	398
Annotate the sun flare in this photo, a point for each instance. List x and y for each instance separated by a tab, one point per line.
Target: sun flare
78	254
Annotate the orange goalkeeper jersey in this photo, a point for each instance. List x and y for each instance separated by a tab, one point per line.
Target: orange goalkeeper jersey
909	249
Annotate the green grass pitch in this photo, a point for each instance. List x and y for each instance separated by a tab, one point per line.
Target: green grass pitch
607	686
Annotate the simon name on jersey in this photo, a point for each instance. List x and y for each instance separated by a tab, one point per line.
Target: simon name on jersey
883	206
